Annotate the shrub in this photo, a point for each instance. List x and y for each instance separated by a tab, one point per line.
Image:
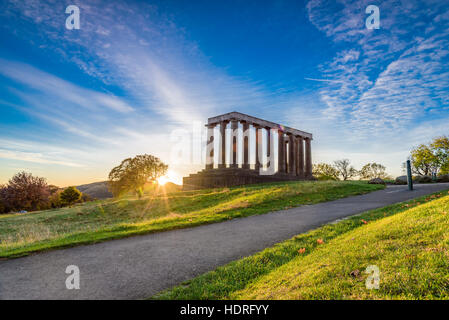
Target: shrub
85	197
324	177
2	207
422	179
25	192
70	195
443	178
376	181
55	199
401	180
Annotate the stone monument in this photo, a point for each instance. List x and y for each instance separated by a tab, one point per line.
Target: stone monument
287	153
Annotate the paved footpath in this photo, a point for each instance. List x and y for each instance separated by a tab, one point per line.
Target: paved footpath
141	266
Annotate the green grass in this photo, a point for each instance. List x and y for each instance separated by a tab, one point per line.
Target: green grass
408	241
22	234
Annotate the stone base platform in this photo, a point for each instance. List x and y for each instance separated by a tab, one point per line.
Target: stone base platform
218	178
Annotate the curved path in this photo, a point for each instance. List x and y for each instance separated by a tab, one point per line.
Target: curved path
141	266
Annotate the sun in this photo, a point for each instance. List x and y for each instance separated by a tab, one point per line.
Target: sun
162	180
170	176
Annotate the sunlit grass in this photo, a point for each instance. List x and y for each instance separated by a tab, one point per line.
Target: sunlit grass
110	219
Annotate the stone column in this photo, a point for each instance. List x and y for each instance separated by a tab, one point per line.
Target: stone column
222	150
308	152
245	145
256	129
300	154
210	147
285	154
234	143
291	155
268	146
281	152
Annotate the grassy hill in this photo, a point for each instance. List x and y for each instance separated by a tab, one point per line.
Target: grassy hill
101	220
408	242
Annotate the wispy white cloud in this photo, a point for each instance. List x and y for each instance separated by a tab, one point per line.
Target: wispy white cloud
57	88
140	49
34	157
324	80
44	153
386	79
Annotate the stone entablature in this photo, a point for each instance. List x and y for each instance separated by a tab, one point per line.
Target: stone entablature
253	120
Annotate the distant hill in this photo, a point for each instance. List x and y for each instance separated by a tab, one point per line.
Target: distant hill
97	190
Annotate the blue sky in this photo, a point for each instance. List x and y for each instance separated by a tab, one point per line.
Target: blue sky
74	103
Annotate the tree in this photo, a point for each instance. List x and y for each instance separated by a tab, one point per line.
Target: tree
70	195
373	170
345	170
53	189
433	157
440	147
324	171
55	200
25	192
3	208
423	160
133	173
444	170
